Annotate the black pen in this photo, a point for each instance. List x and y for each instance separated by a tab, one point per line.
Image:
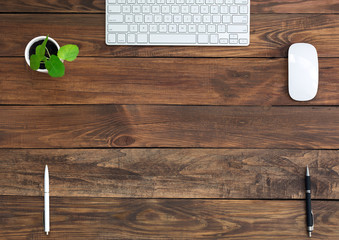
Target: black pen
309	212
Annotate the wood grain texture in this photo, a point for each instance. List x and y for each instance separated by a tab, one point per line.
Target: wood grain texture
168	126
271	36
106	218
171	173
98	6
178	81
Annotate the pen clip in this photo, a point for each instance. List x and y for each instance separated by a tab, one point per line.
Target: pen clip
312	219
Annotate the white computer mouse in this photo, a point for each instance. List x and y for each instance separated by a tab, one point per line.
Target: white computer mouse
303	71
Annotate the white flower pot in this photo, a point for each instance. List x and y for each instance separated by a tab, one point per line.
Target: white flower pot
29	45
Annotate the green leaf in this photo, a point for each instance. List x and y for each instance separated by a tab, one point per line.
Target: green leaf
68	52
55	67
40	49
34	62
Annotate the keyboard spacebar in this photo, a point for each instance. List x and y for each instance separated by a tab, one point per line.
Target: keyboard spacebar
172	38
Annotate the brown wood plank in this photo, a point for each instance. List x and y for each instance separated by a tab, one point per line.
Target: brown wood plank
300	6
168	126
98	6
163	81
171	173
107	218
271	36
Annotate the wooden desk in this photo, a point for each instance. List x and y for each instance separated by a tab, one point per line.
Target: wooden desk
167	142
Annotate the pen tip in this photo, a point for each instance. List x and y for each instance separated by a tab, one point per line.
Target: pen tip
46	233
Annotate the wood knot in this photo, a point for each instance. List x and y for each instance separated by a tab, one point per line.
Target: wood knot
124	141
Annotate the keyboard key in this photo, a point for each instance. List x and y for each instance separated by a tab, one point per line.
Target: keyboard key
221	28
158	18
121	38
239	19
243	41
131	38
243	9
129	18
114	9
146	9
224	9
143	28
142	38
148	18
138	18
153	28
163	28
168	18
237	28
155	9
214	9
233	41
111	38
172	28
187	18
165	9
172	38
240	1
192	28
126	9
117	27
175	9
223	40
206	19
115	18
226	19
194	9
136	9
201	28
203	38
184	9
197	18
216	19
182	28
177	18
204	9
211	29
214	38
133	28
234	9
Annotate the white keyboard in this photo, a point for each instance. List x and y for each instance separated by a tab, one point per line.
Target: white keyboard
178	22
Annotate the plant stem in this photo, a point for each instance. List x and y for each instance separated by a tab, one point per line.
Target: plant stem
48	52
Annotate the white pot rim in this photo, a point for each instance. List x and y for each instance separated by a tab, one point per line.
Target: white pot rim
29	45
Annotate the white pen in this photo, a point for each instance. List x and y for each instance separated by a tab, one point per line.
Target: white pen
46	197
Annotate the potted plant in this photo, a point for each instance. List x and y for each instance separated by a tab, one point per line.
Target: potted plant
44	54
